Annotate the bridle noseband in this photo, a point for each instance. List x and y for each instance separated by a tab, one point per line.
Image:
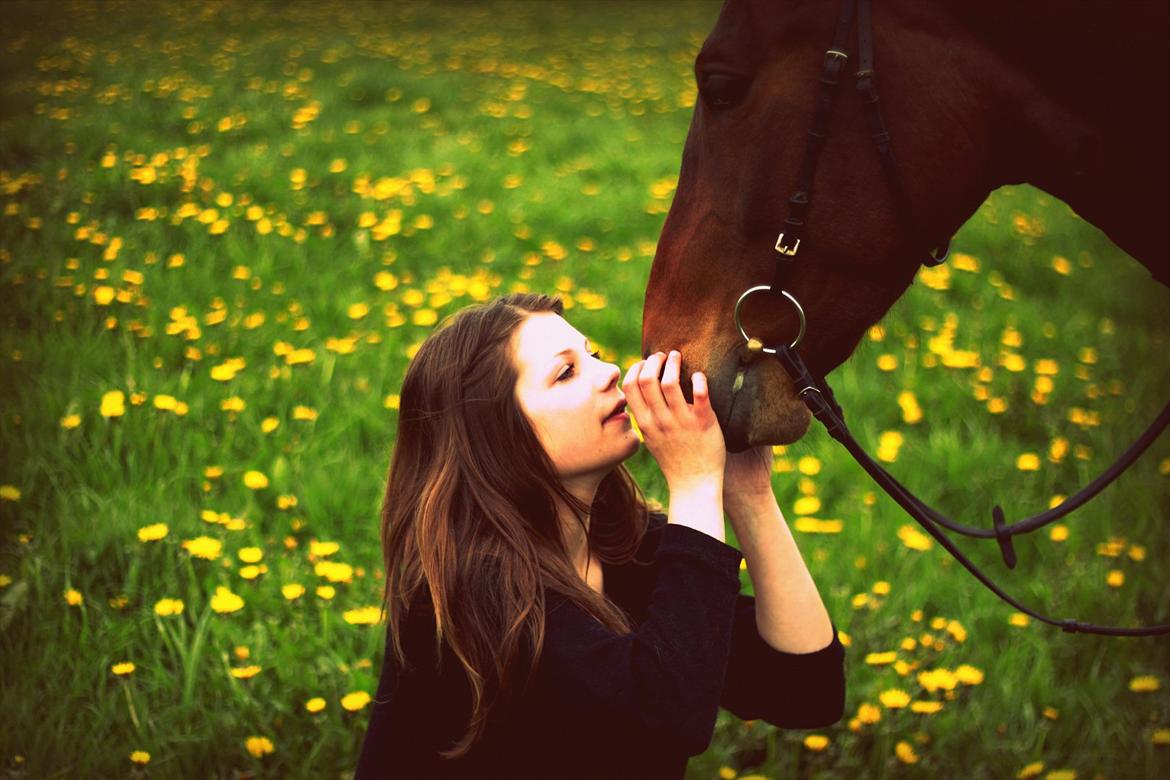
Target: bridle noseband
815	391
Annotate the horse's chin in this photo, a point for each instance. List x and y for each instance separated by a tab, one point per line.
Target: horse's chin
752	424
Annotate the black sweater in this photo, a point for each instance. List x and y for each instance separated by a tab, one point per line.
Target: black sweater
609	706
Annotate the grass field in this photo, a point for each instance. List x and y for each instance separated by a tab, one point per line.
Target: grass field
226	227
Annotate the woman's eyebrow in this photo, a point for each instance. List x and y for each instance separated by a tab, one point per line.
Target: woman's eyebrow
569	351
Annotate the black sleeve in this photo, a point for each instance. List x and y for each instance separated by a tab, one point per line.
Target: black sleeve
790	690
664	680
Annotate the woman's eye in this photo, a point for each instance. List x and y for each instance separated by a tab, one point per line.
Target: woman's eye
569	371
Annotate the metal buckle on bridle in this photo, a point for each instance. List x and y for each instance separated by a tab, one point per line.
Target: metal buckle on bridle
786	250
756	344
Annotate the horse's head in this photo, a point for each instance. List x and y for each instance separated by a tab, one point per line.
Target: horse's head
757	76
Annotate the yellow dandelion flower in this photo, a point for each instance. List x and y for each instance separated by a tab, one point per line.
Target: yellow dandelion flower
304	413
168	607
113	404
1161	737
1115	578
152	533
245	672
969	675
223	373
816	742
926	707
334	571
224	601
356	311
292	591
326	592
165	402
937	679
806	505
812	525
881	659
269	424
905	752
259	746
363	616
1019	619
887	362
103	295
213	472
809	465
914	539
1028	461
233	404
894	698
888	445
322	549
911	411
1061	774
1145	684
956	630
1059	532
70	421
73	597
881	588
140	757
250	554
1047	367
1031	770
355	701
251	572
315	704
123	669
255	480
869	713
203	547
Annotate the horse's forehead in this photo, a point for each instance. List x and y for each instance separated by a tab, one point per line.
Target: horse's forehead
745	29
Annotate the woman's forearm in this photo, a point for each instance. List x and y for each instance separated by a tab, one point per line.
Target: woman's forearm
790	615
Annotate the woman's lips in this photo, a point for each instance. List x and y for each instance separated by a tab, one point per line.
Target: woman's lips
614	417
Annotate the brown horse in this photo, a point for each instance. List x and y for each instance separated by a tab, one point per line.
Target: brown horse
1071	97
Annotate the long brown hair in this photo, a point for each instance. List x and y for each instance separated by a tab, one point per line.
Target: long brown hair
469	518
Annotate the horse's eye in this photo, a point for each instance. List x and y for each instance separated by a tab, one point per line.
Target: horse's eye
723	90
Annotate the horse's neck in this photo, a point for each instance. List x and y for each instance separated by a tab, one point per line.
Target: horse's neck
1086	114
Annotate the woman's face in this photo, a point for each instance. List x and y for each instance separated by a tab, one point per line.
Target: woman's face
567	394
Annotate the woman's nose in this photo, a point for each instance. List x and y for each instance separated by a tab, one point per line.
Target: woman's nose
614	373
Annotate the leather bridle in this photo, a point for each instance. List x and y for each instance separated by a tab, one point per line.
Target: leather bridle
815	391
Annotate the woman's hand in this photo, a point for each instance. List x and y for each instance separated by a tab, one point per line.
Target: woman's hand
747	477
685	439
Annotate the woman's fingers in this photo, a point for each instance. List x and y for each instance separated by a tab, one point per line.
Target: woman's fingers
671	387
651	390
702	395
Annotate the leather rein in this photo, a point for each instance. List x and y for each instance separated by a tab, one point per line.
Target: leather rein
815	391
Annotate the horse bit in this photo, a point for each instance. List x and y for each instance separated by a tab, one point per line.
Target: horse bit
816	393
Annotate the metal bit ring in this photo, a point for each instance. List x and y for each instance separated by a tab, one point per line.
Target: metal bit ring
786	294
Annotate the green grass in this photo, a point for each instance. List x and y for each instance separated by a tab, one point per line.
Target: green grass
588	106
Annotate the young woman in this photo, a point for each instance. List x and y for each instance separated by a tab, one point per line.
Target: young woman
543	621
